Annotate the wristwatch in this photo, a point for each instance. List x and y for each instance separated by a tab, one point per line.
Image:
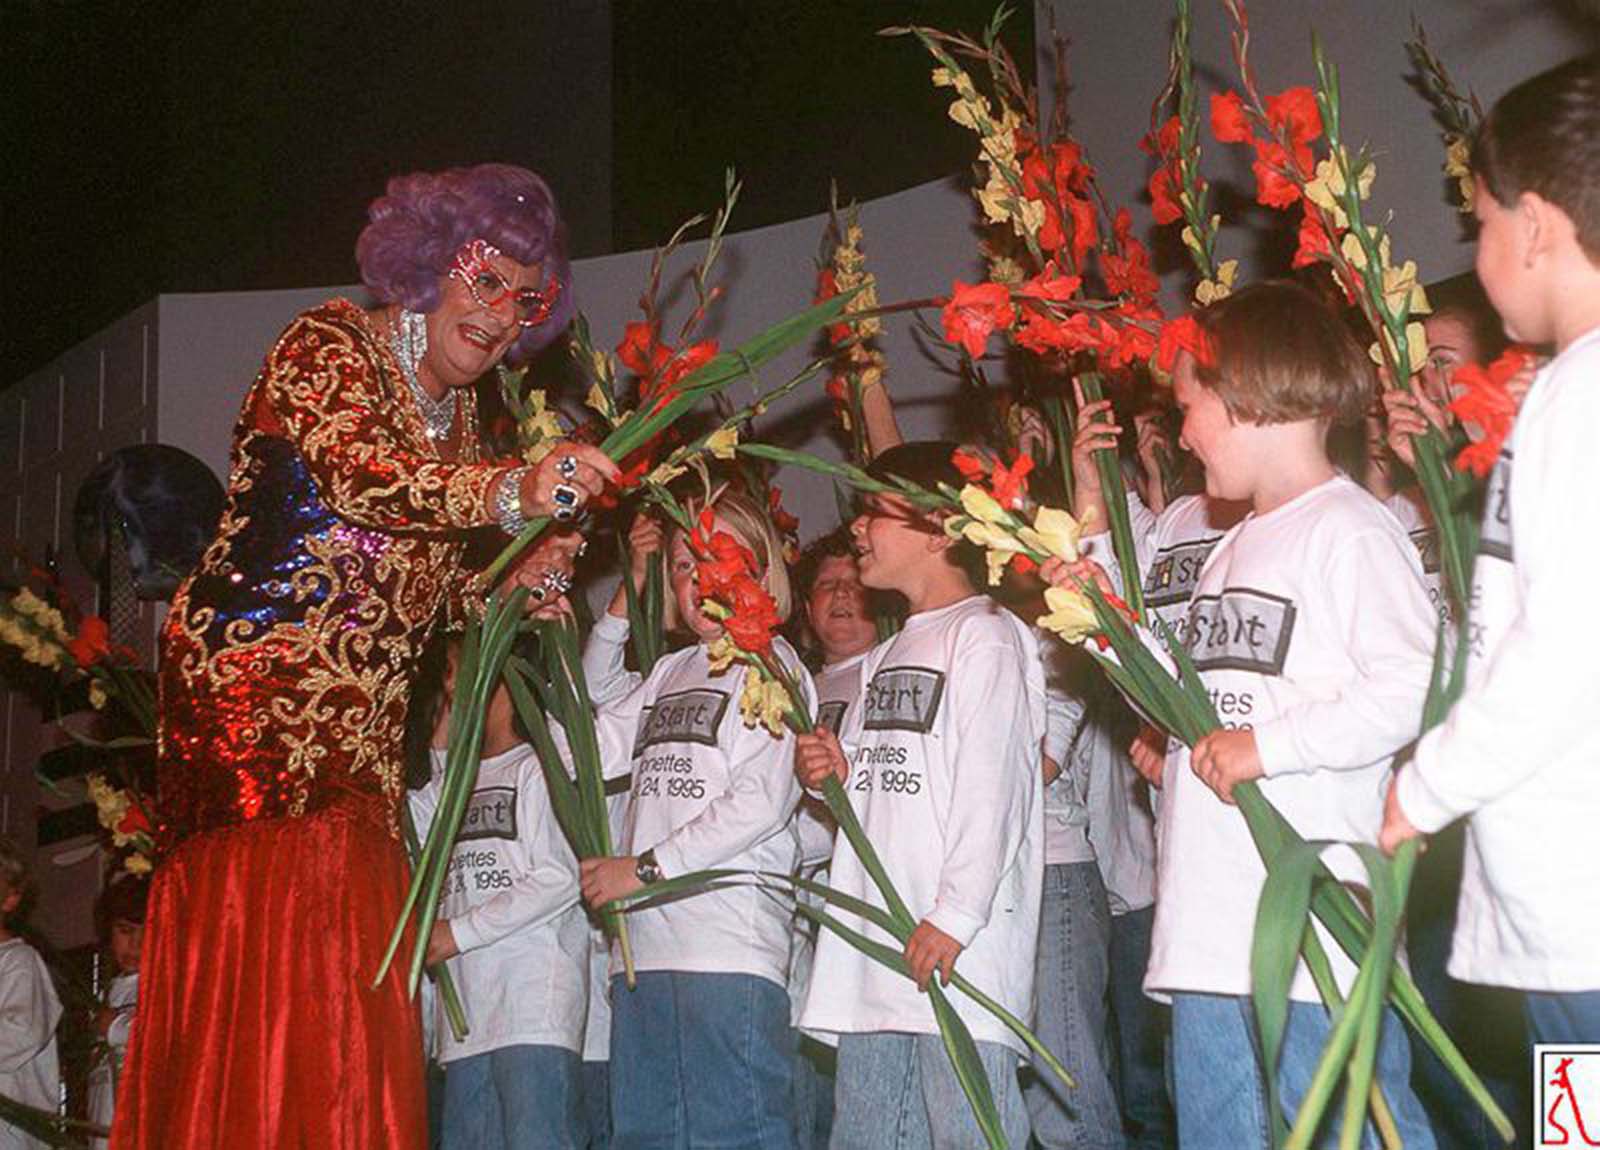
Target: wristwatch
646	869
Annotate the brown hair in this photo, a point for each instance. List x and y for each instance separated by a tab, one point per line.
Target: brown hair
1543	137
1282	356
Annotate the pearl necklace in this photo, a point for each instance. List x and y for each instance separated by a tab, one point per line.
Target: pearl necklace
408	339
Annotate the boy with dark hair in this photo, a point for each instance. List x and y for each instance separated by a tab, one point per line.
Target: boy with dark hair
942	767
1517	755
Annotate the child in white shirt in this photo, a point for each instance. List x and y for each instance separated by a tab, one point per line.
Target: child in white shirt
701	1049
1311	630
943	769
1517	754
29	1010
516	940
122	910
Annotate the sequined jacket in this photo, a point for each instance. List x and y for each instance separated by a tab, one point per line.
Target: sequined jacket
287	656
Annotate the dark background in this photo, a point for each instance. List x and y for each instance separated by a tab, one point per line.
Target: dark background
159	147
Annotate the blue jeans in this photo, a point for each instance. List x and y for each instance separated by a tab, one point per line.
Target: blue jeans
899	1092
1485	1021
1221	1091
596	1105
701	1060
1070	979
1573	1016
814	1064
1139	1026
512	1098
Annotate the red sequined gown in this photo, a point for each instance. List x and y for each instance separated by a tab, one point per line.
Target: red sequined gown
286	665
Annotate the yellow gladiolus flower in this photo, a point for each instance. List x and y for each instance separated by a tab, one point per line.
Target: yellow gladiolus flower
1054	532
722	442
1071	615
137	864
763	702
979	504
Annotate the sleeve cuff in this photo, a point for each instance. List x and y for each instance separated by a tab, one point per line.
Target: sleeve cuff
610	628
958	924
671	861
117	1032
467	935
1421	806
1275	749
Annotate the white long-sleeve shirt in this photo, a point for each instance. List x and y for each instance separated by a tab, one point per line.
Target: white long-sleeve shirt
707	792
945	780
1520	752
121	996
29	1013
1310	626
605	654
1066	809
512	901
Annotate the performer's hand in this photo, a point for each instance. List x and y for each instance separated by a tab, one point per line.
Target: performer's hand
545	569
1149	754
441	943
103	1018
1224	759
645	538
929	949
566	479
1396	827
607	879
818	755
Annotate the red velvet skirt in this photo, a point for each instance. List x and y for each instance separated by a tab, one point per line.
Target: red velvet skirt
257	1024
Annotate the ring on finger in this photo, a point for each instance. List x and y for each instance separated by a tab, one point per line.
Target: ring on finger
567	466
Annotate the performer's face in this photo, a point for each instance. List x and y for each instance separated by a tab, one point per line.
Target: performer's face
481	305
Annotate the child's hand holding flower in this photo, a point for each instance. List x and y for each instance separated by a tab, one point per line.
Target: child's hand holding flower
608	879
1224	759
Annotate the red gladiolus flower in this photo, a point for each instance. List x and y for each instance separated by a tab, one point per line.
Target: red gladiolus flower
1011	483
974	311
1229	122
92	643
1314	245
133	823
1184	333
690	359
1294	110
1273	188
1022	564
1049	285
639	351
973	467
1164	205
785	523
827	285
1486	402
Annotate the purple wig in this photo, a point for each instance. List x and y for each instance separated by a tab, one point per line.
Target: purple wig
422	221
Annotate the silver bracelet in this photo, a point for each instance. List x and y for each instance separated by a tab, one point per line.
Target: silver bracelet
508	502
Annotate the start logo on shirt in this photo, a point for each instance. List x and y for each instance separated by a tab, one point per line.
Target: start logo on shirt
1239	630
903	699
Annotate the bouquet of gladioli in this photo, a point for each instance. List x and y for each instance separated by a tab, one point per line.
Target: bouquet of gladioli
578	792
